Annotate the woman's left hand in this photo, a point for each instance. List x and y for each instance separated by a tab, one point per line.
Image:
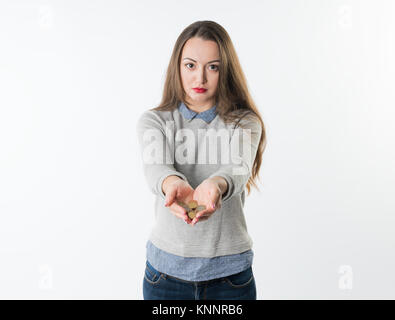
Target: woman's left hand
208	193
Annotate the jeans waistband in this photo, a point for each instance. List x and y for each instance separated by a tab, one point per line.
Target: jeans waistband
178	279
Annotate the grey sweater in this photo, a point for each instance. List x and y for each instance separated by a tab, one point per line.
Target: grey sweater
195	150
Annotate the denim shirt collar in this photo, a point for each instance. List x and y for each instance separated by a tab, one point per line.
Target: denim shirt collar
189	114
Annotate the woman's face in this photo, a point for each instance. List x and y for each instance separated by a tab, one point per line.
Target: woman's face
200	69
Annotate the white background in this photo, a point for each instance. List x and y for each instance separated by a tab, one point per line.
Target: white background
75	209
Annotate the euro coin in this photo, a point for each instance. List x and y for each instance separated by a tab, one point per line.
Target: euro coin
192	214
192	204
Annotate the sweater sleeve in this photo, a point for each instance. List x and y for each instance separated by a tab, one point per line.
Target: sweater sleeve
243	148
155	152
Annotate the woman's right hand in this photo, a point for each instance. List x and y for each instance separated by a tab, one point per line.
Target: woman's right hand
177	190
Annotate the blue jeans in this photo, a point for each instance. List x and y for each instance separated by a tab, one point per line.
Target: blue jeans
160	286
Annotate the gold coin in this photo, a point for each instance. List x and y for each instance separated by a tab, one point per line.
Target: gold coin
192	204
192	214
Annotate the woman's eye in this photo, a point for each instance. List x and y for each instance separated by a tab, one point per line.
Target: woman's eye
213	65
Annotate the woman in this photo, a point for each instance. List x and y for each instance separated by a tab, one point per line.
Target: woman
208	256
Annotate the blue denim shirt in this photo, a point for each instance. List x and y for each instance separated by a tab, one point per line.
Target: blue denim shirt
191	268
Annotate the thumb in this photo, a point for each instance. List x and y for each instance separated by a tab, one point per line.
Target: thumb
170	197
213	203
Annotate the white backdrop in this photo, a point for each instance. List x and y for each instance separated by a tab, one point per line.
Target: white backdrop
75	209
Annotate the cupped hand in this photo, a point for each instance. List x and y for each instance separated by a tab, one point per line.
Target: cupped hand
208	193
179	190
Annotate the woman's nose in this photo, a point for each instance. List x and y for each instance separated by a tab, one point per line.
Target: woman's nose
202	76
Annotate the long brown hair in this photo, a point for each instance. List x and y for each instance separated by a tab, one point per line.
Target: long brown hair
233	99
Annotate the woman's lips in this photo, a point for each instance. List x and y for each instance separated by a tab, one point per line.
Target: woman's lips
200	90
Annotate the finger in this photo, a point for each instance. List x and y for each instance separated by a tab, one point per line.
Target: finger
201	213
178	215
177	209
204	215
218	204
194	221
175	206
208	210
202	218
186	218
213	204
181	213
170	197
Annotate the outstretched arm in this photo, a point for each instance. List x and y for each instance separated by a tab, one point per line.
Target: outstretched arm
155	153
244	145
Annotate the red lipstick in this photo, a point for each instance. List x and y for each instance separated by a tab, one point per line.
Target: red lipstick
200	90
